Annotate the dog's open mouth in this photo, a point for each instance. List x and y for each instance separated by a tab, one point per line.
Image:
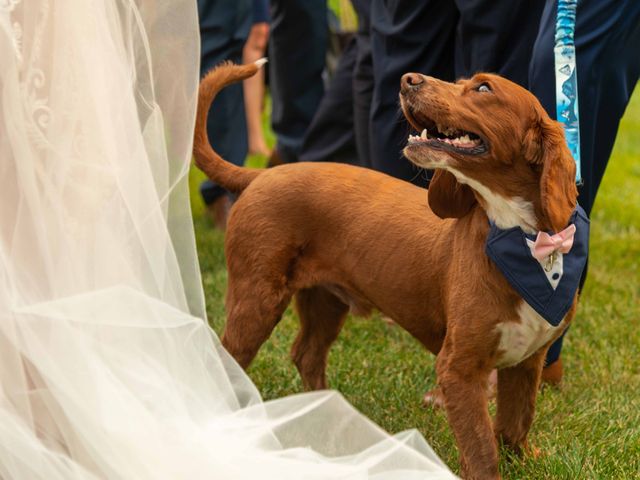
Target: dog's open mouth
448	138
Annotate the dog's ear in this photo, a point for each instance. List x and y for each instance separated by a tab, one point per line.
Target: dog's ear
545	146
448	198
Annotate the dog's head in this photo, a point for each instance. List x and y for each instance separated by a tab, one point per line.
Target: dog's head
491	142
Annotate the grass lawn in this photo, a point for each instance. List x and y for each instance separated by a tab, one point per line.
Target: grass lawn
588	429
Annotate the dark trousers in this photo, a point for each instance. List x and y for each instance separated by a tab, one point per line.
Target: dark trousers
297	50
607	41
339	131
405	36
607	38
360	108
363	82
331	132
224	28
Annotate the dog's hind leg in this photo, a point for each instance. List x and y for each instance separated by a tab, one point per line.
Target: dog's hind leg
322	315
254	308
517	391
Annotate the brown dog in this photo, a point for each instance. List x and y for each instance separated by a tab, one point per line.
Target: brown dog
339	237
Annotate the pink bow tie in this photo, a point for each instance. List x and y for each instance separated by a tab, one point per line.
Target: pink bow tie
546	244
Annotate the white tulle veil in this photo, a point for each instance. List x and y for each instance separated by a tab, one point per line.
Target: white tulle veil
107	369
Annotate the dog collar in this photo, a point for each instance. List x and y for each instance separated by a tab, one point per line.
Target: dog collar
547	284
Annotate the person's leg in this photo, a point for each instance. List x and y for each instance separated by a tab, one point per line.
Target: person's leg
362	82
607	38
340	129
497	37
330	136
297	49
224	27
608	65
405	36
254	49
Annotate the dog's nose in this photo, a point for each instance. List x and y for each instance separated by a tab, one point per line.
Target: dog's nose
411	81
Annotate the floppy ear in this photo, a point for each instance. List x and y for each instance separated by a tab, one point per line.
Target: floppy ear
545	145
448	198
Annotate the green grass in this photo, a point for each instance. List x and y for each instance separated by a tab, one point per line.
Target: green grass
588	429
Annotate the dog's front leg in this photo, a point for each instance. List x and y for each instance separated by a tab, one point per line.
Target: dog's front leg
517	391
463	380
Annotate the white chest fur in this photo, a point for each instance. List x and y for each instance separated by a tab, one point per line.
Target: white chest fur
504	212
520	339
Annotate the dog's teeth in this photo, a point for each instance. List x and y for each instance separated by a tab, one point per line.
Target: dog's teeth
465	139
424	134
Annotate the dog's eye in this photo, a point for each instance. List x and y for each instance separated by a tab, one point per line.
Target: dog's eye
483	88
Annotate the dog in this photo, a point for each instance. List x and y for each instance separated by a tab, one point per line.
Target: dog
341	238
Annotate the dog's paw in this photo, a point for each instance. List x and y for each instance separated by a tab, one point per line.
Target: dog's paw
433	398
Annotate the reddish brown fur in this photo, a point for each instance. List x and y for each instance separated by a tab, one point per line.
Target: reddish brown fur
339	237
234	178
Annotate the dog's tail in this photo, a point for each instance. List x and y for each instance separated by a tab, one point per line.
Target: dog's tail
231	177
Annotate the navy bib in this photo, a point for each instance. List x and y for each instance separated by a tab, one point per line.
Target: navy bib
511	253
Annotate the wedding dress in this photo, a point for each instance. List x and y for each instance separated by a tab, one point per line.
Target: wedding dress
107	369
